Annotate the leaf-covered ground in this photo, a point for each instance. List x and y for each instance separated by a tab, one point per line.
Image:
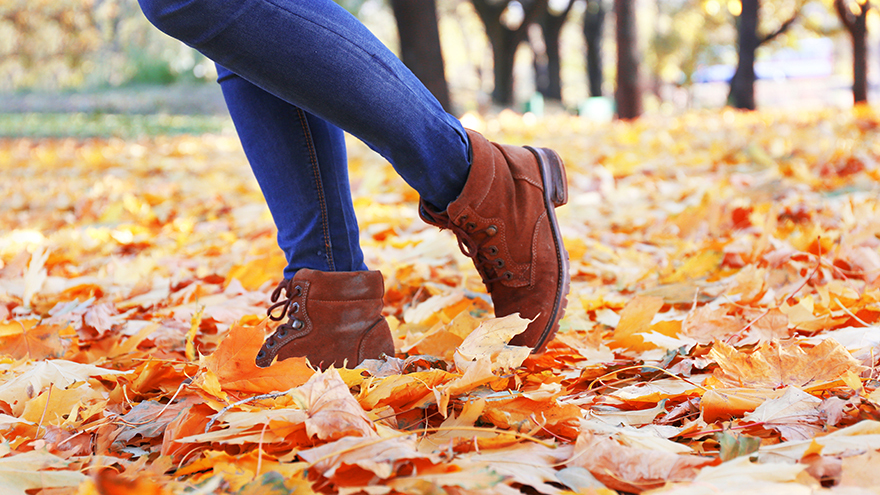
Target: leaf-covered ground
722	333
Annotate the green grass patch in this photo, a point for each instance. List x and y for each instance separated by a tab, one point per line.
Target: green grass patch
108	125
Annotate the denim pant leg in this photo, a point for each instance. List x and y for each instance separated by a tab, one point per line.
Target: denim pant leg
318	57
300	162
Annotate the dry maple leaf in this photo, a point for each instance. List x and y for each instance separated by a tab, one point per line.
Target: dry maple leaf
332	411
27	339
490	341
632	469
795	415
635	319
33	378
233	363
353	457
31	470
775	365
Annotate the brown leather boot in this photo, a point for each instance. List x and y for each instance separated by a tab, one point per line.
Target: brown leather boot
333	317
505	221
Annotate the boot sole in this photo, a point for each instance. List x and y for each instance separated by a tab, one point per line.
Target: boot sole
555	195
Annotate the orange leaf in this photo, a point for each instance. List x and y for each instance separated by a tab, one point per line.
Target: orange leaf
233	363
26	339
399	391
775	365
109	483
634	319
727	403
706	324
190	422
257	272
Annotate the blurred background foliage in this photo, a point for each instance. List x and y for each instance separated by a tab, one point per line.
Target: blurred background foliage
62	44
103	56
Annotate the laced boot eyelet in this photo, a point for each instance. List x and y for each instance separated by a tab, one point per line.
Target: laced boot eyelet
297	324
282	332
500	264
297	291
508	275
261	354
470	226
492	250
270	343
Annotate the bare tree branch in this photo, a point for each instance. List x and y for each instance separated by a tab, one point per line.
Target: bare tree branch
782	29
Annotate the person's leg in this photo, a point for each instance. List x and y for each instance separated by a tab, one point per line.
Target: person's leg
332	304
318	57
299	161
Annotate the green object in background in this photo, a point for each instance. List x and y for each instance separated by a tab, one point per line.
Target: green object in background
535	105
597	109
37	125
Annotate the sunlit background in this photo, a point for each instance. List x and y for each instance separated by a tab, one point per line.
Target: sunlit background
66	65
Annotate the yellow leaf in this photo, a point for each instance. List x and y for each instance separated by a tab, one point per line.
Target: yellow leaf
191	334
257	272
635	319
698	266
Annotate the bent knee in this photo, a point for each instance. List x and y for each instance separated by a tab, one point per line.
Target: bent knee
190	21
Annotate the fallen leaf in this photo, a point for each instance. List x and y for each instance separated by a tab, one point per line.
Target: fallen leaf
26	339
635	319
490	341
31	470
33	378
631	469
795	415
861	470
233	364
775	365
332	411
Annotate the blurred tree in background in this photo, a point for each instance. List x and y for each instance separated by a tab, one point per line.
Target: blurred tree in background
629	86
854	16
548	61
742	85
469	52
507	24
420	44
57	44
593	26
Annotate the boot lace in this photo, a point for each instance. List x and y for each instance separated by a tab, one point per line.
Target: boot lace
288	305
289	291
482	252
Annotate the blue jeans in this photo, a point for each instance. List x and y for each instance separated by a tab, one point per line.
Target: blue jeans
293	74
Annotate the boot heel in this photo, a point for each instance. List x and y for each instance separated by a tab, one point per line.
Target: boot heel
553	173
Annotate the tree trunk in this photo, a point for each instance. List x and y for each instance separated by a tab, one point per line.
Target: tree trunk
628	95
856	24
420	44
504	42
551	26
742	85
860	57
594	22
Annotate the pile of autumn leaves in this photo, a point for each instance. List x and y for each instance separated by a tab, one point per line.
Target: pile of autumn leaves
722	331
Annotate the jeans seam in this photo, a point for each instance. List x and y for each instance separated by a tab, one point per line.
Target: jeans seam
319	185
